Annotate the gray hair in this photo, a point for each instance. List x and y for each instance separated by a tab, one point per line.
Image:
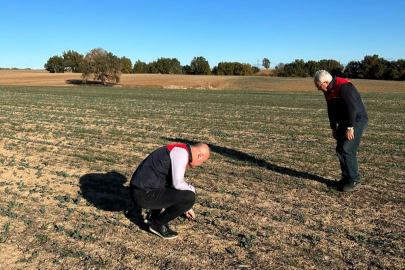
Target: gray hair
322	76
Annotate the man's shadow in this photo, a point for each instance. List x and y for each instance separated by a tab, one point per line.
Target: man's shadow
106	191
238	155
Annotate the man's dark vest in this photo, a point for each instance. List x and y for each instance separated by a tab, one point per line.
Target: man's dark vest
154	172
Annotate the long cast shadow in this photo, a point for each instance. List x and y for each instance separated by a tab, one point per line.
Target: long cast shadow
106	191
238	155
89	83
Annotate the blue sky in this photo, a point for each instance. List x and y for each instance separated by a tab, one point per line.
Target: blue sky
232	31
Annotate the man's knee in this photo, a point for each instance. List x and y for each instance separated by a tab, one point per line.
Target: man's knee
189	197
349	148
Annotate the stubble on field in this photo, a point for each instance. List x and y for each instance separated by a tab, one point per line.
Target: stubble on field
264	199
259	82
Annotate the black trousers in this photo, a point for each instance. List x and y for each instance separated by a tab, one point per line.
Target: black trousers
175	202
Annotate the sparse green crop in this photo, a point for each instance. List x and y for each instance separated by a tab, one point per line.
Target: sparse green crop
264	199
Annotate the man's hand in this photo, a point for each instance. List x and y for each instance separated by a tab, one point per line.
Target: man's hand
190	214
350	134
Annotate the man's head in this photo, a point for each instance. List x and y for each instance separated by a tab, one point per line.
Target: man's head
200	153
322	79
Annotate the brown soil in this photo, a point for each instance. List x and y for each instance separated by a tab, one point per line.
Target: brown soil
44	78
261	81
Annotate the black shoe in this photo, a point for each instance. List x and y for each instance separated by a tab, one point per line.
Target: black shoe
351	186
147	219
341	182
163	231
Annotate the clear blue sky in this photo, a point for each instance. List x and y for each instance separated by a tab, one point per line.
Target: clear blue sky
232	31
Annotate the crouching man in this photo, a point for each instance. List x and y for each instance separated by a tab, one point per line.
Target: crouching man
158	183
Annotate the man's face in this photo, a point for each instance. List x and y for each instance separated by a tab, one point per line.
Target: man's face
322	86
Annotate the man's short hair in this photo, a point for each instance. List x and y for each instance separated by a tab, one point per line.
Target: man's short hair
322	76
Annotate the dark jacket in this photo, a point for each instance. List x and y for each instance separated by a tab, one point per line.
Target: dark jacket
345	106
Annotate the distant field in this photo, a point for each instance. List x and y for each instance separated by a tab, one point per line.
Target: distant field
264	199
262	83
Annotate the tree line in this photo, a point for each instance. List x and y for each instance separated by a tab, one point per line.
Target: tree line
105	66
72	61
371	67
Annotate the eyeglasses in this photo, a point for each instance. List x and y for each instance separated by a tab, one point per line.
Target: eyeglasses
319	88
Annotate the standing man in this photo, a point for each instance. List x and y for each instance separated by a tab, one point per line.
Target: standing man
348	120
158	183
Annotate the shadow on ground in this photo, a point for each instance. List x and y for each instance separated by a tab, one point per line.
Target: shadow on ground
90	83
106	191
238	155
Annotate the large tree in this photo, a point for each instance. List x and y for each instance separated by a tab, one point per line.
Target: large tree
233	68
400	67
378	68
332	66
168	66
295	69
225	68
165	66
176	67
140	67
311	67
266	63
126	65
73	61
103	65
200	66
280	66
352	70
55	64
